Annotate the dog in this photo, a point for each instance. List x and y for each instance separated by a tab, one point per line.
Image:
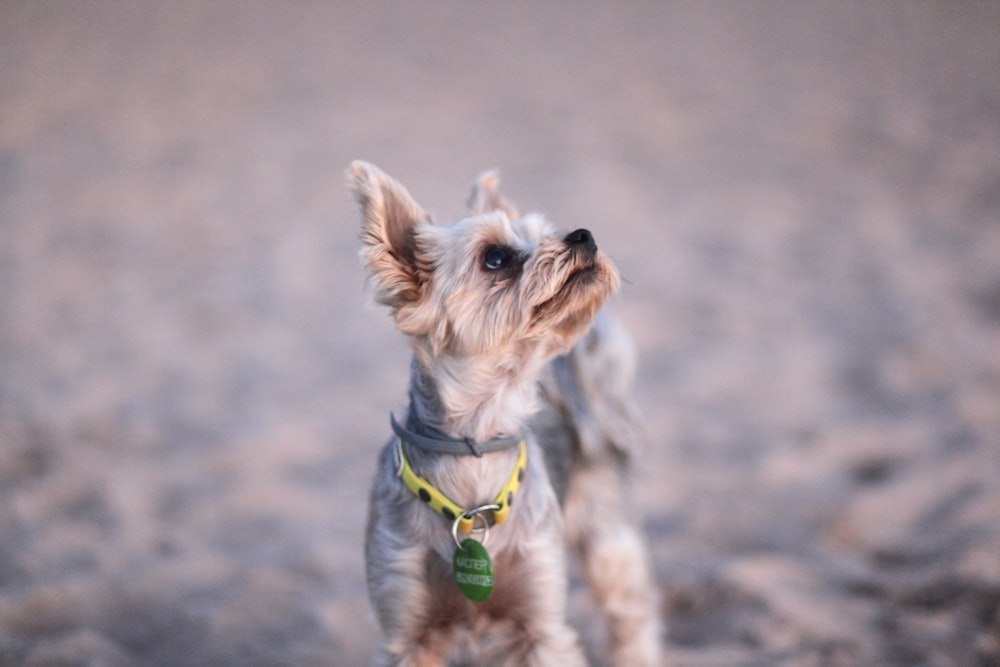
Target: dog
517	441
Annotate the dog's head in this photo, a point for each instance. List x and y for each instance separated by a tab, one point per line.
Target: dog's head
489	281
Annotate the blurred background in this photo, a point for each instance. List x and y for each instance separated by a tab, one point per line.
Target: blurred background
803	199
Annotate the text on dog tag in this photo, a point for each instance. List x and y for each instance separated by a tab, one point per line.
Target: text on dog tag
473	570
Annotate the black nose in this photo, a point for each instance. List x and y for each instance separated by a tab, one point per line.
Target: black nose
581	237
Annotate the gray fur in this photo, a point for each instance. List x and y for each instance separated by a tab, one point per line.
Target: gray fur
480	373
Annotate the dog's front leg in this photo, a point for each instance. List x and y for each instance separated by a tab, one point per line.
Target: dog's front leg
528	608
404	601
412	656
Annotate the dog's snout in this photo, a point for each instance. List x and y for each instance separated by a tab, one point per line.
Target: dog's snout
582	238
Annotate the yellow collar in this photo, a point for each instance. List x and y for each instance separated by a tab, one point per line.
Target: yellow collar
444	506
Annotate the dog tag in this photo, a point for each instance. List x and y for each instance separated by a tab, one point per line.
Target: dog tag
473	570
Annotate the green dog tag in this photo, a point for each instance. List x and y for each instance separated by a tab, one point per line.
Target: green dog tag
473	570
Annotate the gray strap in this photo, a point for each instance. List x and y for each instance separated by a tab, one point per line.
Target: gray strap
434	441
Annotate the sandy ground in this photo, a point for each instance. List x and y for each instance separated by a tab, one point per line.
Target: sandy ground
804	199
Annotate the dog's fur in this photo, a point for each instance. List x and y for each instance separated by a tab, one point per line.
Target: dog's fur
494	355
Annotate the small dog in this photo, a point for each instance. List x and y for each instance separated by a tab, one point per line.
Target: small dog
519	405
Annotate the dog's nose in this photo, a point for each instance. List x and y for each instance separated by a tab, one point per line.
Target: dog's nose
581	237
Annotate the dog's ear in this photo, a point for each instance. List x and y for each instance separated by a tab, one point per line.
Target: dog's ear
389	220
485	197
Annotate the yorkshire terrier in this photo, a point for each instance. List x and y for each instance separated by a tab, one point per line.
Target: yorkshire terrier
516	443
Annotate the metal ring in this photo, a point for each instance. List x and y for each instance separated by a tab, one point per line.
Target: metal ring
472	514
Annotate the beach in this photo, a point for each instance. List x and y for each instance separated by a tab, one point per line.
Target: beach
803	200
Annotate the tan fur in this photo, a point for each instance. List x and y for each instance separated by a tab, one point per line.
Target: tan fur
483	341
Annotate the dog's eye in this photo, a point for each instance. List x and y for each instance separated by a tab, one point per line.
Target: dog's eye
497	257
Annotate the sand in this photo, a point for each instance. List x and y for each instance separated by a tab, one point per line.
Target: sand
803	198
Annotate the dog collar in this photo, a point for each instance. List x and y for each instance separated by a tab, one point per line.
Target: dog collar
447	508
433	440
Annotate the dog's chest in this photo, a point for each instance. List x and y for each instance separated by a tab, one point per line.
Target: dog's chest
449	606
